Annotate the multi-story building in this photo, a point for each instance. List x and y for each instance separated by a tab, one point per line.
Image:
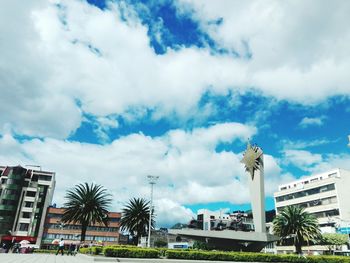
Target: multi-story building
325	195
218	220
25	195
98	233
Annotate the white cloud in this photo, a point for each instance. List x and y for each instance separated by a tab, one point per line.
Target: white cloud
302	144
301	158
107	64
169	213
296	54
332	161
190	169
317	121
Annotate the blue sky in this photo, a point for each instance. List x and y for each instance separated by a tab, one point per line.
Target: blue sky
110	91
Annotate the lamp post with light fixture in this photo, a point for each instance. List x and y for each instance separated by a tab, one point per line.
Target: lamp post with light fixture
152	181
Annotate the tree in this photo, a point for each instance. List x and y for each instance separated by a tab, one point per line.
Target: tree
135	218
294	222
333	240
87	205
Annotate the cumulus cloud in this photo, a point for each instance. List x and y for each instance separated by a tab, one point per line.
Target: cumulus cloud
64	57
301	158
295	53
317	121
191	170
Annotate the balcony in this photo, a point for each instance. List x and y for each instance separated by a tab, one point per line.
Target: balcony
10	197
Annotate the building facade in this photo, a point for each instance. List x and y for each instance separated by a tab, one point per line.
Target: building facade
323	195
55	229
218	220
25	195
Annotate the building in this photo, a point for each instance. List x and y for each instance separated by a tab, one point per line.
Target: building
218	220
161	238
323	195
25	195
98	233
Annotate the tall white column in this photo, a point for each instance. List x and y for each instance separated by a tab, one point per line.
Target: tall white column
254	164
257	193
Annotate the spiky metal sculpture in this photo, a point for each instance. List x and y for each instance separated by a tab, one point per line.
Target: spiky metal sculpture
251	159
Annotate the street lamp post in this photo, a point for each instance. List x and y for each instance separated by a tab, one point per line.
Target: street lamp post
152	181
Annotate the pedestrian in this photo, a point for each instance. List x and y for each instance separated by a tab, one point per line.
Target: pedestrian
60	247
71	249
90	247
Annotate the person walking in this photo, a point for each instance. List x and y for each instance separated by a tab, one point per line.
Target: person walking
71	249
60	247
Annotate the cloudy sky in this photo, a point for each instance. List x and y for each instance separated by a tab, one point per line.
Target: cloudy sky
111	91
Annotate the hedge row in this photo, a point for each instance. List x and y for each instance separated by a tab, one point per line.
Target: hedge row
126	252
91	250
251	257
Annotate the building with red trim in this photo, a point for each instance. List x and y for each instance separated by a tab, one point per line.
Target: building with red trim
98	233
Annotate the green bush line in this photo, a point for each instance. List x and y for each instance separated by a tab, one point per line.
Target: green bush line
92	250
127	252
251	257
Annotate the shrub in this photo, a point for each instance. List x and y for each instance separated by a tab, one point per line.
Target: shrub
127	252
91	250
251	257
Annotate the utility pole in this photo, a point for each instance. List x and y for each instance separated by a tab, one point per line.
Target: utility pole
152	181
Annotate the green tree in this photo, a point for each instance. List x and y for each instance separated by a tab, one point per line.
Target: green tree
135	218
294	222
86	205
333	240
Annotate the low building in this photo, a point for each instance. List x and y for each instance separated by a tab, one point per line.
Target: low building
218	220
25	195
323	195
98	233
161	238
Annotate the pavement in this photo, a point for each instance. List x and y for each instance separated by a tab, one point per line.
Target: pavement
49	258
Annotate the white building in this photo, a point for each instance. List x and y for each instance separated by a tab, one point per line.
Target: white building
325	195
219	220
207	218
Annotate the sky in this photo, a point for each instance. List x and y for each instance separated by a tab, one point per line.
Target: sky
112	91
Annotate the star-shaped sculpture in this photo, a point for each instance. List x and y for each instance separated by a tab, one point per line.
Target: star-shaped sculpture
251	159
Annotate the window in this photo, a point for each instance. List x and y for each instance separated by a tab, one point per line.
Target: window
26	214
332	175
31	193
313	191
23	227
45	177
28	204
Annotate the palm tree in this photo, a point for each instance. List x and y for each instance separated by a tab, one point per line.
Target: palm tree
135	218
87	205
294	222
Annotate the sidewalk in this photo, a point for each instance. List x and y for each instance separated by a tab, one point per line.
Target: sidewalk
49	258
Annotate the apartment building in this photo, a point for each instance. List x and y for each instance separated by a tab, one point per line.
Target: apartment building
98	233
325	195
25	195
